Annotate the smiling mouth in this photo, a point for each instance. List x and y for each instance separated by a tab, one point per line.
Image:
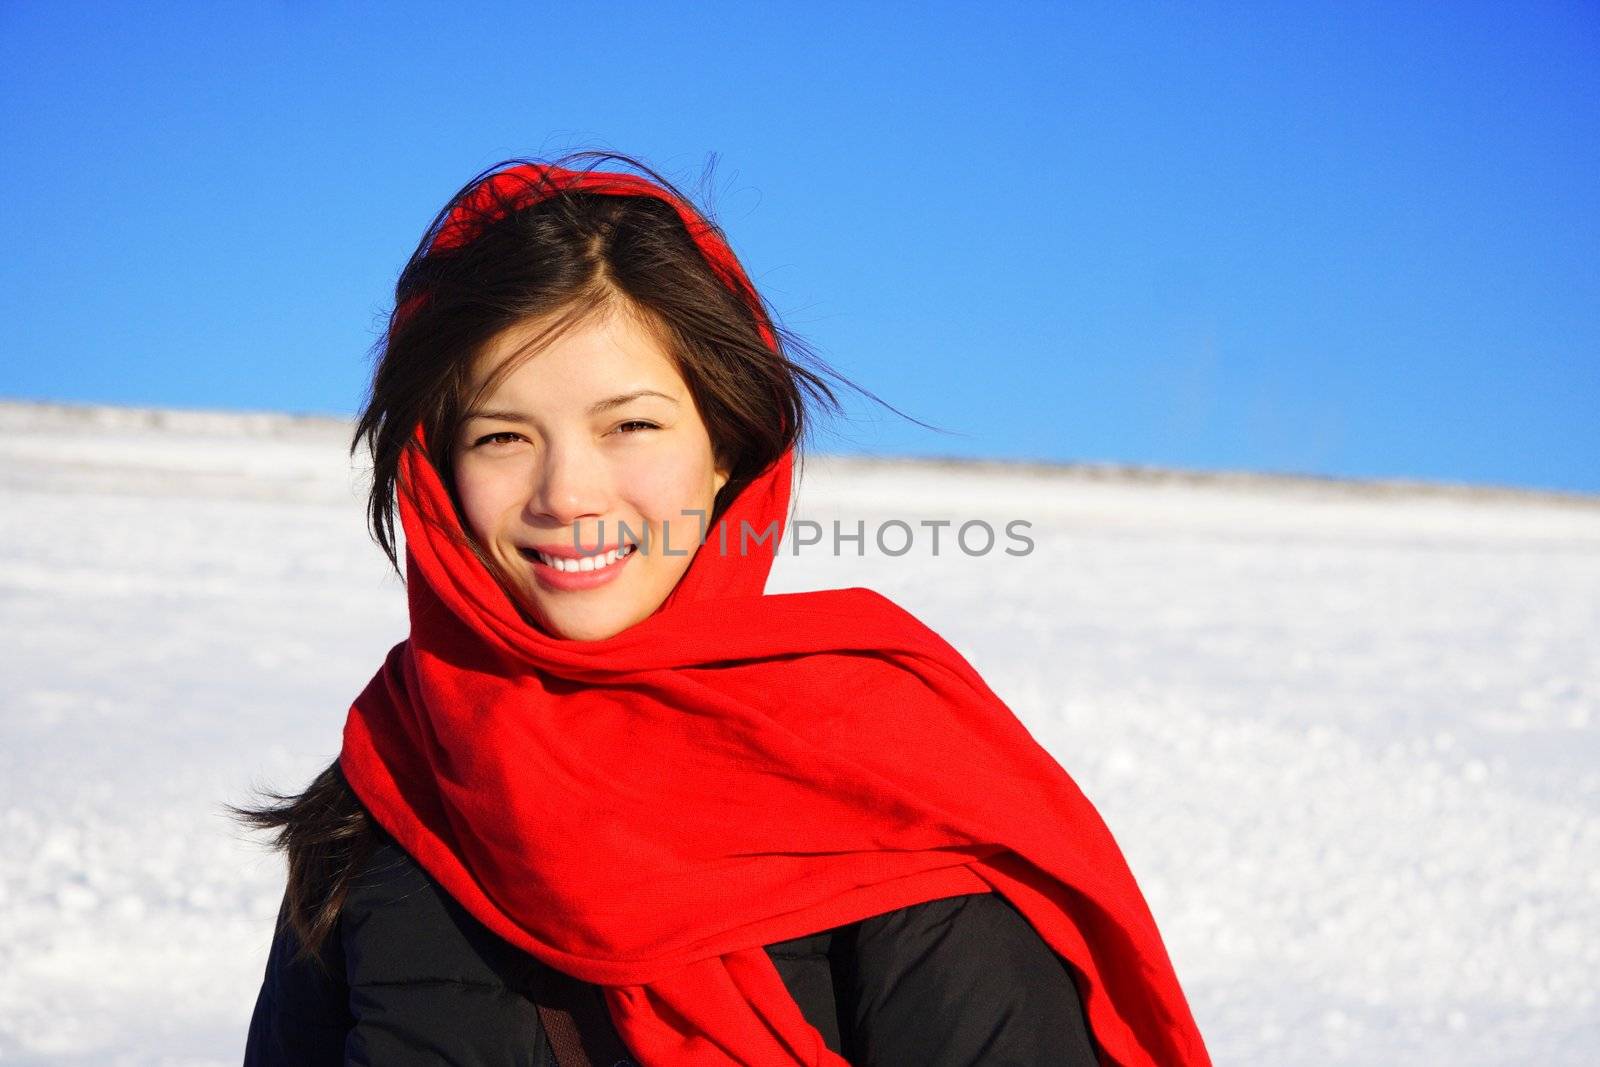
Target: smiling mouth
585	563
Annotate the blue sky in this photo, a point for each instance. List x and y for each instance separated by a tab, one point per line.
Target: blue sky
1348	239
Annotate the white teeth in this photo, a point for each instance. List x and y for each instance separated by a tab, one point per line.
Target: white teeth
585	563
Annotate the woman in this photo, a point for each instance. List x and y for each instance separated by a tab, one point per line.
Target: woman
609	802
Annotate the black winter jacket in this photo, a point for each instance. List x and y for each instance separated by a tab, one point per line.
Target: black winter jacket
409	977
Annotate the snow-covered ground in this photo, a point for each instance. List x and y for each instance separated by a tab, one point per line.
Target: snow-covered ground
1346	735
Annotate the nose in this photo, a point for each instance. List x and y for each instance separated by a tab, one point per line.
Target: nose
571	483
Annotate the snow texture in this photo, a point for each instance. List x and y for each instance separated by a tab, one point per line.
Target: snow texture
1345	733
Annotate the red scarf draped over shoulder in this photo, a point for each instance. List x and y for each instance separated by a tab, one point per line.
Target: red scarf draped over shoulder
646	812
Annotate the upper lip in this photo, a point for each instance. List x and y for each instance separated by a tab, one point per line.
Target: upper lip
565	549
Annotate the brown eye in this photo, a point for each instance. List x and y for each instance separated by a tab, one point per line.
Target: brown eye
504	436
639	424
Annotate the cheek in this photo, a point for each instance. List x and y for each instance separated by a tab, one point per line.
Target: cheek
661	486
486	491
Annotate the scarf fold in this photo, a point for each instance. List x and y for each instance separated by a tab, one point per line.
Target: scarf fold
646	812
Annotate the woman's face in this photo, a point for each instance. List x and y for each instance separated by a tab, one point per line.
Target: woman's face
594	436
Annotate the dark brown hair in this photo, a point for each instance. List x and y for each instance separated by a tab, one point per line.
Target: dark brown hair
567	258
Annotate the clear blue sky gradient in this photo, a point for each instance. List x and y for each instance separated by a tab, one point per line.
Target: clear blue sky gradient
1349	239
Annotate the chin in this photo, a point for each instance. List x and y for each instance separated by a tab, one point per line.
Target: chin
572	627
586	633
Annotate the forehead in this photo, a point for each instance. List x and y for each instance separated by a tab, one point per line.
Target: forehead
546	358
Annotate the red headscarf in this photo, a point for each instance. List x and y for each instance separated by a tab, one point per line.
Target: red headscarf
647	811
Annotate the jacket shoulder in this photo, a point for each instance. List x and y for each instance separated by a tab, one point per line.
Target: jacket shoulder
399	925
301	1014
427	980
961	980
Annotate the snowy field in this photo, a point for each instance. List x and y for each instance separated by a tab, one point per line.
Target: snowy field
1347	736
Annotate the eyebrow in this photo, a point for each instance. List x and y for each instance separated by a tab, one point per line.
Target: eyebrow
599	407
